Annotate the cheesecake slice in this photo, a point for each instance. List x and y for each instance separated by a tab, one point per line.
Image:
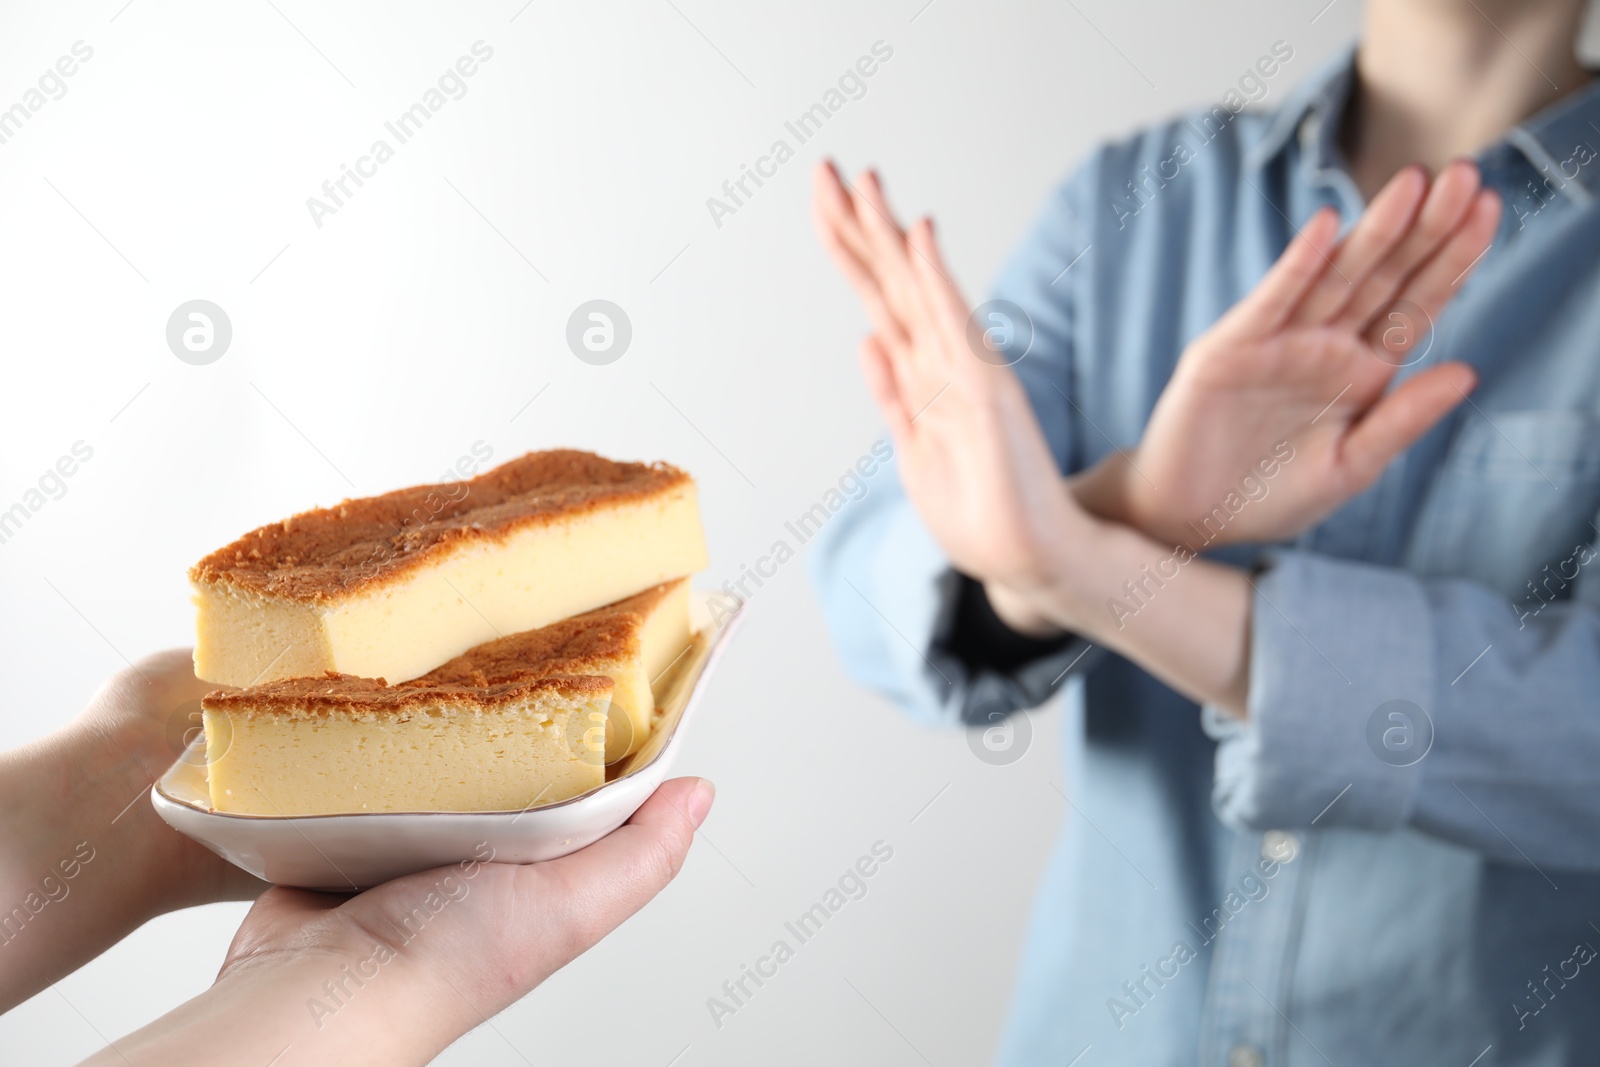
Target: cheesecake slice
341	744
394	585
634	642
532	718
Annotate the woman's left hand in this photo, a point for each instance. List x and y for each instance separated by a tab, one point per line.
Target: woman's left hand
1300	368
395	974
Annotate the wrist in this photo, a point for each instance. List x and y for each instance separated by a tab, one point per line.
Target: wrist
1102	490
1017	606
1066	593
67	880
89	783
122	756
1180	617
109	770
68	787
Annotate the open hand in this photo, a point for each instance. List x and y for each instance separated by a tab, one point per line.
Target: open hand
970	452
1300	367
395	974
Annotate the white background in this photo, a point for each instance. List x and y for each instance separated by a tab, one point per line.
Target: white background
373	352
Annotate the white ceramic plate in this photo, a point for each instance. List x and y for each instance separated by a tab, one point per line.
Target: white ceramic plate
349	852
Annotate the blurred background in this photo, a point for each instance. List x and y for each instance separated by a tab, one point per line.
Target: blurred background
424	317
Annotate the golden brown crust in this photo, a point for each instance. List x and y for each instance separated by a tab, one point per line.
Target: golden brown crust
573	655
592	643
332	553
348	693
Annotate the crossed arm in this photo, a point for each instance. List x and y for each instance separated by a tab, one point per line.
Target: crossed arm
1303	362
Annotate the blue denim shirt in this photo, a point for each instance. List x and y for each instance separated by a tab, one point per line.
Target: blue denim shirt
1396	859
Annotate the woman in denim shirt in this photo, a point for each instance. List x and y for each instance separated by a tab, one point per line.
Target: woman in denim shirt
1276	449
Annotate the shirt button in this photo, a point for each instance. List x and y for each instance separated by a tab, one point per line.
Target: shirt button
1279	846
1245	1056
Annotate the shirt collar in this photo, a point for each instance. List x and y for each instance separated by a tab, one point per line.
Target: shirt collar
1320	98
1562	142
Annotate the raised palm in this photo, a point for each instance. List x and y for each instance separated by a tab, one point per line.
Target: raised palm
970	452
1280	412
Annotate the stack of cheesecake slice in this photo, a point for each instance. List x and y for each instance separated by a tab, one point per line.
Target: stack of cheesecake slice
484	645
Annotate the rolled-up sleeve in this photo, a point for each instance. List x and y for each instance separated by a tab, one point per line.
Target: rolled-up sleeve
879	575
907	625
1379	699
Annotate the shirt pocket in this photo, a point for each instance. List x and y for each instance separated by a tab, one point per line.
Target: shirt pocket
1517	491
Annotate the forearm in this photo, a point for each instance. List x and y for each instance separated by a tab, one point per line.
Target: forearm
320	1009
86	859
66	885
1183	619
